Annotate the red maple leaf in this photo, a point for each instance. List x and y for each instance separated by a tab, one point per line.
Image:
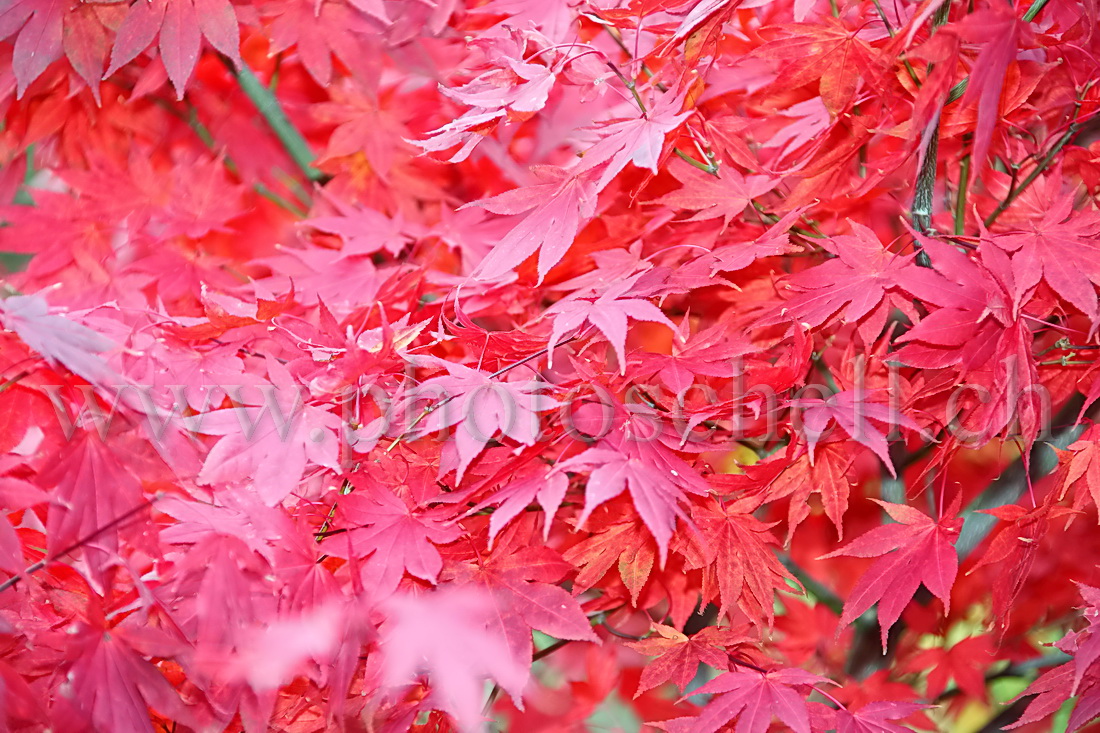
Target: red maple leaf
393	537
964	662
679	656
874	717
915	550
827	52
739	566
711	197
658	481
853	413
1062	250
861	285
180	26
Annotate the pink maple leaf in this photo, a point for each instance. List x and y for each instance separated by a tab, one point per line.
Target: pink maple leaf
393	537
481	407
639	140
59	338
856	416
446	635
656	477
558	208
724	196
608	313
270	440
754	698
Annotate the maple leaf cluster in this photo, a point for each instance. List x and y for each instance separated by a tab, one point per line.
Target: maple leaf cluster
543	365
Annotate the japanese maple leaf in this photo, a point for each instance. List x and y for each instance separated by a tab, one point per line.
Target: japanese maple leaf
656	477
363	125
180	26
319	31
977	330
271	654
1061	249
753	697
774	241
825	51
723	196
59	338
965	662
392	538
638	141
544	486
447	635
859	285
621	544
875	717
608	313
825	474
998	31
1016	544
557	207
39	25
913	550
270	440
853	413
713	352
92	491
739	565
701	12
521	583
114	685
1081	470
679	656
363	231
45	28
1052	689
481	407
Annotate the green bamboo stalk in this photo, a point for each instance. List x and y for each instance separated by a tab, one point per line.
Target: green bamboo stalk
269	108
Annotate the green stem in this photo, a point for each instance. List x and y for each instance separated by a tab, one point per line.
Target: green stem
1036	8
890	30
269	108
204	134
960	89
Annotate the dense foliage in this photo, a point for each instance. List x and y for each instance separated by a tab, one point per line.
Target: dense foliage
543	365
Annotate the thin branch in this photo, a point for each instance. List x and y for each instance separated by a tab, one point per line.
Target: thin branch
35	567
1065	139
1013	481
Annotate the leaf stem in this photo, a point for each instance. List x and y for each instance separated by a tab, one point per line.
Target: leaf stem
709	168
